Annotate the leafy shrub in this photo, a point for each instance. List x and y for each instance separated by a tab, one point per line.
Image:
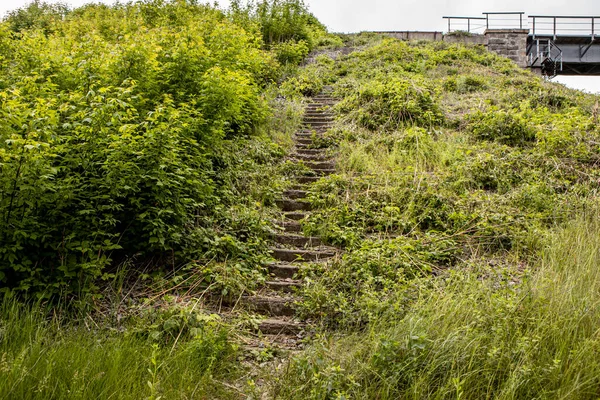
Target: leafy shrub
118	137
291	52
37	15
465	84
505	127
392	102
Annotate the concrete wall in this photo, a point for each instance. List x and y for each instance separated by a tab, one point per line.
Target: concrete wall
414	35
473	39
511	43
437	36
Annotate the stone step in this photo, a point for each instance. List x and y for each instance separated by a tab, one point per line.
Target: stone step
284	286
290	255
317	118
282	270
274	306
298	240
307	146
306	141
316	113
291	226
307	179
318	124
295	216
320	165
309	157
295	194
312	152
280	326
292	205
303	135
321	172
320	106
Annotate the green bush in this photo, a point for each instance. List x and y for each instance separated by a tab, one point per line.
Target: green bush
505	127
392	102
291	52
119	135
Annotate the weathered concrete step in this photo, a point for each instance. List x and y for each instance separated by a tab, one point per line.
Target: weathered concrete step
317	118
316	113
284	286
295	194
274	306
321	172
318	124
308	146
302	140
312	152
298	240
282	270
309	157
308	134
293	205
295	216
307	179
289	255
280	326
290	226
320	165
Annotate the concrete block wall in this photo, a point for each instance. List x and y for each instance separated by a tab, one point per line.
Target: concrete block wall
414	35
471	39
511	43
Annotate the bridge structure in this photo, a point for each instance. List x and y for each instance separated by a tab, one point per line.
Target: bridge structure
549	44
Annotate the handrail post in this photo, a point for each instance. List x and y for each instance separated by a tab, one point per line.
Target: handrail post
449	25
593	20
469	25
533	27
520	21
554	28
487	21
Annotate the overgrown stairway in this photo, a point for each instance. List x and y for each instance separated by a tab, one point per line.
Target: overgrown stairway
276	300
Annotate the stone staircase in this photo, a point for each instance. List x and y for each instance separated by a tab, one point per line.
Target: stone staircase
292	248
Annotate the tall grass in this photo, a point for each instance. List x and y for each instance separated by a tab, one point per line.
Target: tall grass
476	334
41	357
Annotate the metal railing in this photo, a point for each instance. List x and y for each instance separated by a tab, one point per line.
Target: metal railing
505	20
545	54
472	24
546	25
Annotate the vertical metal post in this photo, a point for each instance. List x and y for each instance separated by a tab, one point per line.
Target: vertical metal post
448	25
469	25
520	21
554	28
593	20
534	27
487	21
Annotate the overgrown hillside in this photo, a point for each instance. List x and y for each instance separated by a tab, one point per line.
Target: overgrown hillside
143	148
466	204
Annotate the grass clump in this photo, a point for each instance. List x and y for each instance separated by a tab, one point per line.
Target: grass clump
502	126
482	332
47	354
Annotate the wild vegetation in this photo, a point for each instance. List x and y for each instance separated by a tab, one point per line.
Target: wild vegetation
139	131
142	150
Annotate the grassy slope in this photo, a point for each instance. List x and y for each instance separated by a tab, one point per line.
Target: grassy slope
455	161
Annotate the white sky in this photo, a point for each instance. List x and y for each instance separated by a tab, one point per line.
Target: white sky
368	15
